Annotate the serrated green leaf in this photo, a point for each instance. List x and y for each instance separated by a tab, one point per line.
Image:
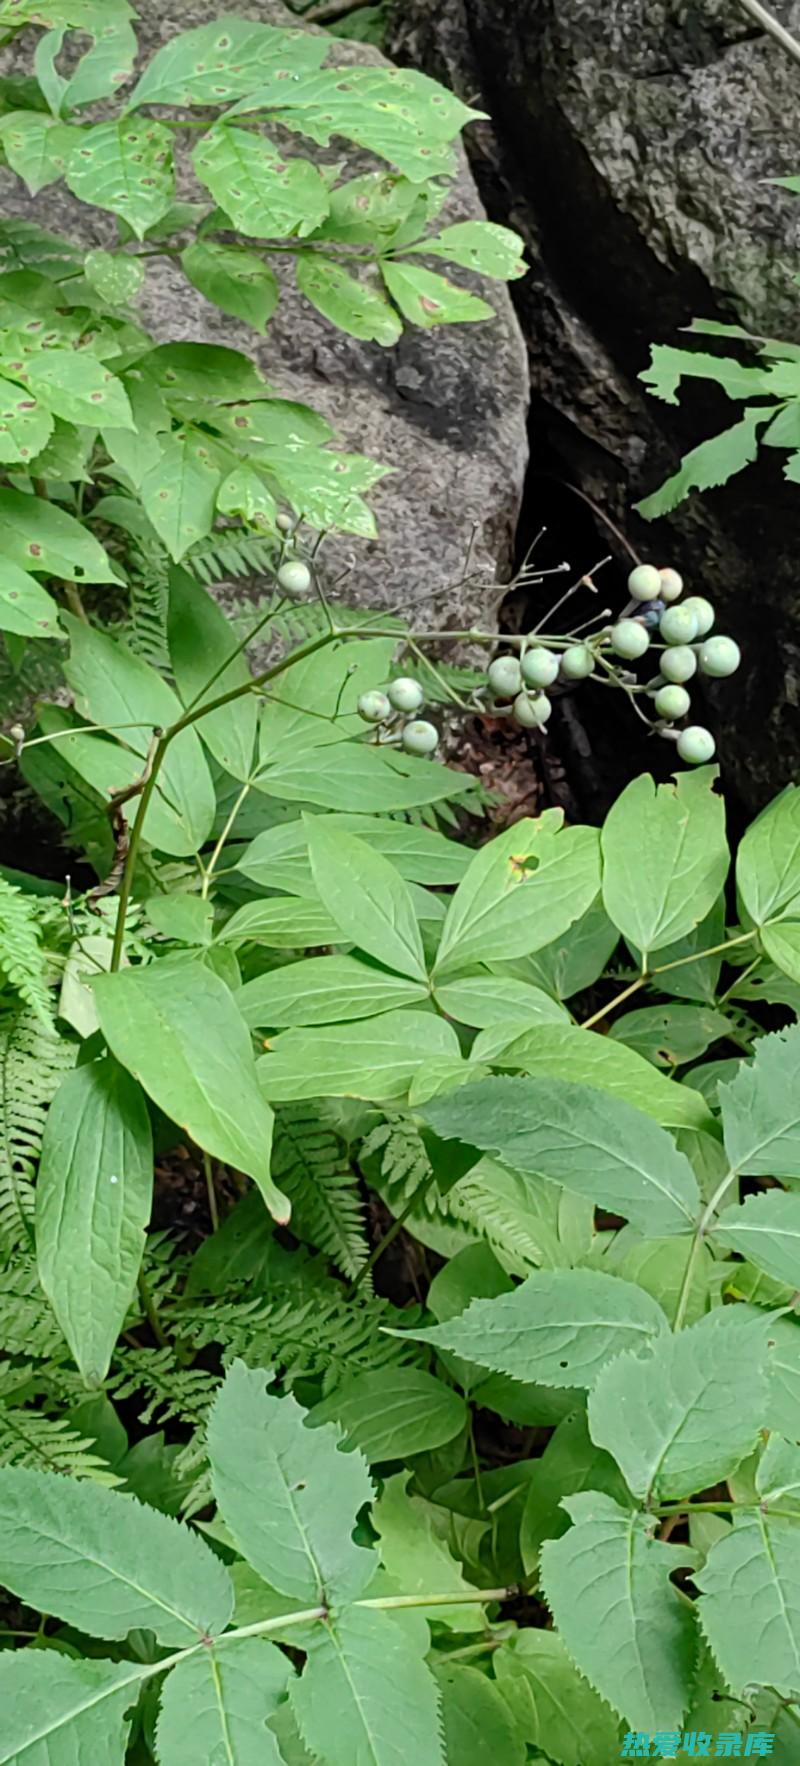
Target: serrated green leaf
569	1464
393	1413
665	857
767	1231
179	493
377	1060
223	60
709	465
418	1557
479	1726
237	281
783	1404
106	1564
125	166
595	1060
323	990
25	607
624	1625
366	1696
56	1709
287	1493
761	1109
367	897
594	1145
427	299
175	1026
117	278
36	146
659	1267
778	1473
266	194
78	388
555	1709
40	537
93	1200
218	1703
684	1413
357	307
25	422
521	890
781	942
755	1572
477	245
200	639
114	687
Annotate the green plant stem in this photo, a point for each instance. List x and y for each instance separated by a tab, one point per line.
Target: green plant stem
389	1237
214	859
135	841
396	1602
619	1000
701	1229
773	26
151	1311
211	1191
664	969
232	654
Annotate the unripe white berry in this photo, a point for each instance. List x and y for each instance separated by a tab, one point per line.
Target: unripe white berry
629	639
644	583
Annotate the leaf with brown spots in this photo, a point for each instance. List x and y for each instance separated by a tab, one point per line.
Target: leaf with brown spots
25	607
179	493
79	388
427	299
125	167
223	60
266	194
25	424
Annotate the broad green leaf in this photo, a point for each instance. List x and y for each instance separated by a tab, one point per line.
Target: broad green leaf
287	1493
767	1231
325	488
665	858
366	1696
126	167
217	1704
778	1473
93	1200
244	493
223	60
761	1109
107	65
576	959
200	638
323	990
668	366
354	776
78	388
237	281
523	889
710	464
358	307
479	1726
396	113
698	979
25	422
685	1412
106	768
428	299
25	607
750	1602
626	1628
669	1036
569	1464
116	277
372	208
112	687
377	1059
57	1710
783	1405
595	1145
36	146
367	898
42	538
498	1002
659	1267
393	1413
175	1026
557	1329
105	1564
186	918
278	858
272	423
266	194
555	1709
417	1555
189	371
768	860
477	245
591	1059
179	493
781	941
282	923
314	701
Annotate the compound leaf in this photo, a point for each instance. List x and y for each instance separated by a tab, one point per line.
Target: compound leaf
58	1710
750	1602
366	1696
766	1230
761	1109
222	60
216	1705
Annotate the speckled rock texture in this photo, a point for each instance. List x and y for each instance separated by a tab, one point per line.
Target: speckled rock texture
445	409
631	142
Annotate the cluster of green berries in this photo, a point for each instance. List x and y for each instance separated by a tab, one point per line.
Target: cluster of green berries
518	682
688	650
401	699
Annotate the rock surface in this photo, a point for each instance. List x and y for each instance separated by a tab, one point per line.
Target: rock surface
630	143
447	409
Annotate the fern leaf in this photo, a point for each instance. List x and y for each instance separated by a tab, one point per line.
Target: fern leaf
22	960
231	552
327	1210
33	1061
49	1444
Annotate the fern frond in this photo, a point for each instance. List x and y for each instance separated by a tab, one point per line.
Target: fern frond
148	609
22	959
402	1163
28	1325
326	1337
327	1210
33	1061
231	552
169	1393
49	1444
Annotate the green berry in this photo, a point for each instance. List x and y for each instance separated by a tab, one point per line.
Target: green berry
405	694
719	657
670	584
678	663
532	710
539	667
703	613
696	745
374	707
672	702
577	662
678	625
284	523
420	737
294	577
644	583
629	639
505	677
